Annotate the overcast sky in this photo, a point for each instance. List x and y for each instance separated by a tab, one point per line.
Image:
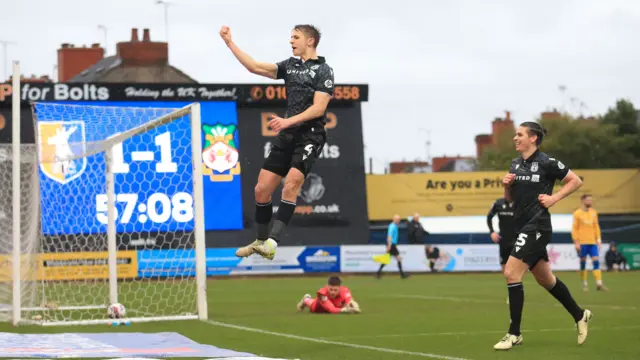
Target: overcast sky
447	66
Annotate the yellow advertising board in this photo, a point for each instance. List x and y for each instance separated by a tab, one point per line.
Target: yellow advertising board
70	266
472	193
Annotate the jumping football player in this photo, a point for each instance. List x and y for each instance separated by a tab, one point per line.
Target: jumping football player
586	236
529	184
333	299
301	133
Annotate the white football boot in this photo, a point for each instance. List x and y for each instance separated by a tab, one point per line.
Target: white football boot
583	326
507	342
301	304
248	250
266	249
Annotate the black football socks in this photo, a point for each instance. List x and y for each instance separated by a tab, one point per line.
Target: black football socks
516	303
264	211
284	215
562	294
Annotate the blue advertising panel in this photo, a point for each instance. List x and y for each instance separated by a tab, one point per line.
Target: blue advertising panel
320	259
153	170
223	261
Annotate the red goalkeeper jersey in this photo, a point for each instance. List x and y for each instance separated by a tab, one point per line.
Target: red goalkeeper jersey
337	303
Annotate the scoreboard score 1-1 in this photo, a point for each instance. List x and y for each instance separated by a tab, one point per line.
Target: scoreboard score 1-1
153	171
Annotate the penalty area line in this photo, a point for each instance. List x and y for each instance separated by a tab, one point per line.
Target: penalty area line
331	342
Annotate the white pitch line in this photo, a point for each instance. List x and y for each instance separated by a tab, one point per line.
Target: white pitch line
330	342
491	301
469	333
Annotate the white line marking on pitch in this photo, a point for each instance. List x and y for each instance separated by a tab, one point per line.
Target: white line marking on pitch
629	327
330	342
472	300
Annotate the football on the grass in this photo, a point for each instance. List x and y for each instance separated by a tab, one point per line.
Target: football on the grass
116	311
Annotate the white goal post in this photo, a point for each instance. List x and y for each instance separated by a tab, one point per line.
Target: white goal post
85	199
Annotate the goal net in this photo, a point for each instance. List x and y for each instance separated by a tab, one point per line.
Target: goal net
116	205
28	226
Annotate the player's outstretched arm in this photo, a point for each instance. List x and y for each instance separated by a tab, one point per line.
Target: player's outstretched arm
259	68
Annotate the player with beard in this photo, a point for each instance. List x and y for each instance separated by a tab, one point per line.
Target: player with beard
529	184
301	133
334	298
586	236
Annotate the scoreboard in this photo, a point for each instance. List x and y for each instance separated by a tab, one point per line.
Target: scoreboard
153	172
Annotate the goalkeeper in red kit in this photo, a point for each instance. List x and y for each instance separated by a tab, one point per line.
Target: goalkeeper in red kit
331	299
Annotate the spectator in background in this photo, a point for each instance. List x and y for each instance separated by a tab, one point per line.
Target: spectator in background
615	260
415	230
433	254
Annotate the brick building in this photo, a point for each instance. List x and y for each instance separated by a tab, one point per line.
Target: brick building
498	127
136	61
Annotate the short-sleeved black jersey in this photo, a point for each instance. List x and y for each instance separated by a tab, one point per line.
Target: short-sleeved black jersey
534	176
505	212
303	79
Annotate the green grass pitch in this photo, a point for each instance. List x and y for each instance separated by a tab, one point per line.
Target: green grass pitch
426	316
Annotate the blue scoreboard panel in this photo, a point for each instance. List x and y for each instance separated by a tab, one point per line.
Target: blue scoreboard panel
153	170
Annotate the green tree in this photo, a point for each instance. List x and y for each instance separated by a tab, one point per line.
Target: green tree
607	142
625	117
587	144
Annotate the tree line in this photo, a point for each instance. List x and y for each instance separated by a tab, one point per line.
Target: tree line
608	141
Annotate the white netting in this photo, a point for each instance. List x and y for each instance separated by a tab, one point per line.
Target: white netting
29	245
152	165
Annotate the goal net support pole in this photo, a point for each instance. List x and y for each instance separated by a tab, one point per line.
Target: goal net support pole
112	246
198	193
15	180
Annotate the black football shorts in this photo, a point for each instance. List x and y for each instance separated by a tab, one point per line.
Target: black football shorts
298	150
531	247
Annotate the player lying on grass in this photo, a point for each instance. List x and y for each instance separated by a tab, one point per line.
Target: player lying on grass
331	299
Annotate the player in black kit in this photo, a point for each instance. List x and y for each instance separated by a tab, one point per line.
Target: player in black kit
301	133
529	184
507	236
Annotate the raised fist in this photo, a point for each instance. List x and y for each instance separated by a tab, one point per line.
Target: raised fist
225	34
